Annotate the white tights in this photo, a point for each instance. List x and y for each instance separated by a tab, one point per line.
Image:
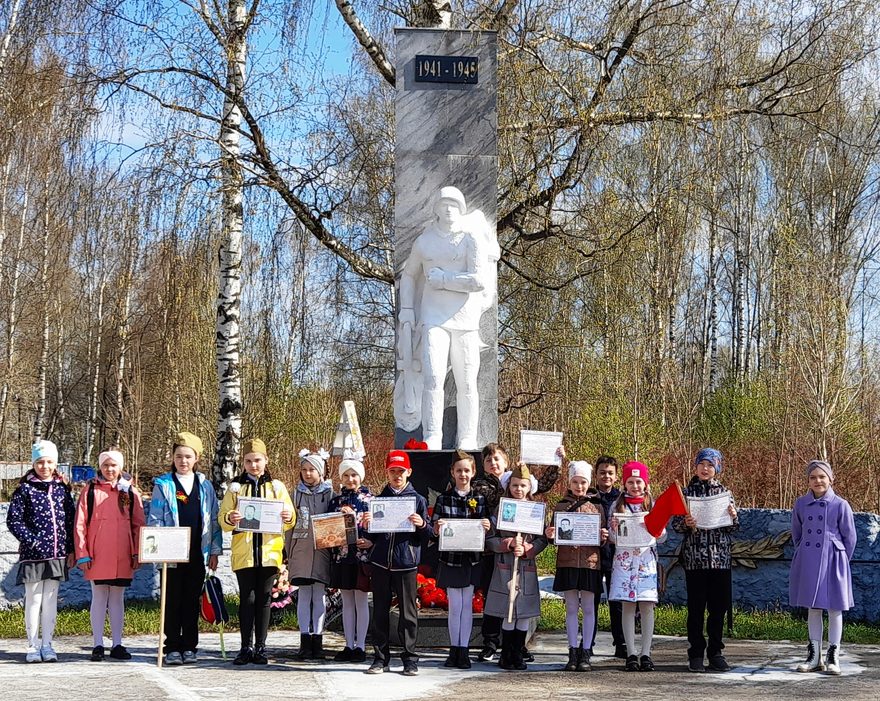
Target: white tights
835	625
629	626
355	618
574	601
518	624
40	609
106	598
310	608
461	615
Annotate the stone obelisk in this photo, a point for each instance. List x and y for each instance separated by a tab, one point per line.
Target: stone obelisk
446	158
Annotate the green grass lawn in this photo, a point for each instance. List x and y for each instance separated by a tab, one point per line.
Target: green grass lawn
747	625
143	617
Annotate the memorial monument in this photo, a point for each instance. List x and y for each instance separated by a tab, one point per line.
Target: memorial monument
445	245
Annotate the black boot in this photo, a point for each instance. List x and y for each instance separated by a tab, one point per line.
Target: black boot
583	664
318	647
519	663
464	658
305	647
507	641
572	663
452	659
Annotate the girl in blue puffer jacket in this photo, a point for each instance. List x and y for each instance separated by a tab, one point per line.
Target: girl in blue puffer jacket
40	517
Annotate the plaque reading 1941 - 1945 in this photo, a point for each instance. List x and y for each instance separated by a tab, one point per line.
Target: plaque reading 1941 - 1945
446	69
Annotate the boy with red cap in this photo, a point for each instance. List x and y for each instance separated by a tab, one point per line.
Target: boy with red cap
394	561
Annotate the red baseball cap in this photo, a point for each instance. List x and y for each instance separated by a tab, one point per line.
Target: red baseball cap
397	459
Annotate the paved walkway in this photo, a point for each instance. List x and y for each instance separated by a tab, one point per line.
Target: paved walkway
762	670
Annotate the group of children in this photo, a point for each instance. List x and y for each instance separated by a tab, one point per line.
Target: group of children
100	535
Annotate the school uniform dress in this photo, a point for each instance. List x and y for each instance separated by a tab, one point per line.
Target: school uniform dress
705	556
824	535
461	569
634	572
348	568
578	567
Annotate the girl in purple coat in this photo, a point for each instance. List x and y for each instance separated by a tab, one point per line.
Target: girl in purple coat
824	535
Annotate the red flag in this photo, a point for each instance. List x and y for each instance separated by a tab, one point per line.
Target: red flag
670	503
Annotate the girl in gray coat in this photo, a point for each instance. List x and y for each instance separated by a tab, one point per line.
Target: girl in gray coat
309	568
522	549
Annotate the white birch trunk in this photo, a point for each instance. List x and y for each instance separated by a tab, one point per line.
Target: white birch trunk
95	369
14	10
228	339
40	416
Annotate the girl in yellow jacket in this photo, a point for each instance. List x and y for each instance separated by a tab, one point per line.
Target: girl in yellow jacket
256	556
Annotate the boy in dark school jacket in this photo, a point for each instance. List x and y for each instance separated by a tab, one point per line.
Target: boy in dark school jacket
393	566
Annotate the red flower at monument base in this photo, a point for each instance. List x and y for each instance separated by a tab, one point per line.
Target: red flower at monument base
429	595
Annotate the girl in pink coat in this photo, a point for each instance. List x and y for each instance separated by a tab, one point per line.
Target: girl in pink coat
109	517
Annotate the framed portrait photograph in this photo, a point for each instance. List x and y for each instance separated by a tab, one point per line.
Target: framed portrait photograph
159	544
521	516
574	528
334	530
631	531
711	512
260	515
462	534
391	514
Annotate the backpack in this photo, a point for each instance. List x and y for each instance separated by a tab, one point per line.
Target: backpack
90	503
212	605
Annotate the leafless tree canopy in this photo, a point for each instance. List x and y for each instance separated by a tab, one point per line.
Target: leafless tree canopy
689	225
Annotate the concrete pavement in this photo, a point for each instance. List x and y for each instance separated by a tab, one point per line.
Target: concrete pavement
761	670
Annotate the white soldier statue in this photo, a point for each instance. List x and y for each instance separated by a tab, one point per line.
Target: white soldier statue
447	283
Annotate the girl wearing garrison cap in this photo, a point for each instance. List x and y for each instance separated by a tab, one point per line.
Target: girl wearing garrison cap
309	568
40	517
109	518
705	555
256	557
185	498
634	571
520	549
824	535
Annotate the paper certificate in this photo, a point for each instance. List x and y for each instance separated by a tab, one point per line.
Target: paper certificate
463	534
334	530
573	528
391	514
521	516
539	447
260	515
158	544
711	512
631	531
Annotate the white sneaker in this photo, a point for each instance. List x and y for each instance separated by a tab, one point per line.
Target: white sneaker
48	653
33	655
